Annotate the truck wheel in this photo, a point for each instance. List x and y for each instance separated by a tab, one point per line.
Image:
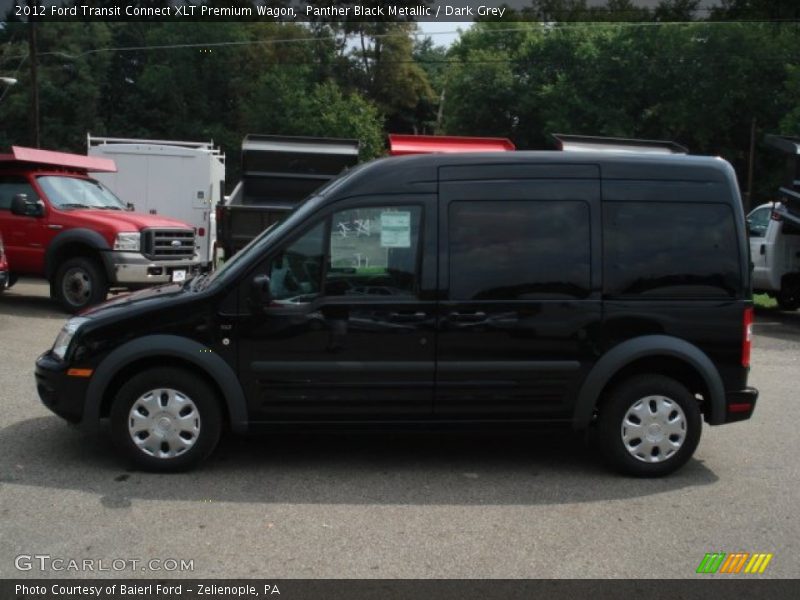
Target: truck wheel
165	419
788	297
12	279
79	282
649	426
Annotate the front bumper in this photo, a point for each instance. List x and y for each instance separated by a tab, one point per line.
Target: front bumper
740	404
61	393
131	269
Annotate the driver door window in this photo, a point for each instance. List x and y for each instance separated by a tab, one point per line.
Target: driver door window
373	252
295	273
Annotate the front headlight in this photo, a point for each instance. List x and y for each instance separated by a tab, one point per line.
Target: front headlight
128	241
65	336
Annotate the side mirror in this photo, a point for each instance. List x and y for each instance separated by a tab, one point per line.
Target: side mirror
21	206
260	293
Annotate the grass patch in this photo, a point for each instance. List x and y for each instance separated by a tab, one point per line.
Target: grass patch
764	301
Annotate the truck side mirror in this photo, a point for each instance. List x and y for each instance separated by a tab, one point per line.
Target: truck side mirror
260	292
21	206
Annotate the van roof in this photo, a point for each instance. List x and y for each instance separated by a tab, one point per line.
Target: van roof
421	173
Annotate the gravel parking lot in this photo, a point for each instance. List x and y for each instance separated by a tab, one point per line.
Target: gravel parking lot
394	506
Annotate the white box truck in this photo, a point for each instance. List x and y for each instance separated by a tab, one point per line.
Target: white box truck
182	180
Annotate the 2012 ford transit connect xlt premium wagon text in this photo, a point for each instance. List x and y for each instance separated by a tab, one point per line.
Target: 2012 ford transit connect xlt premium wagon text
603	292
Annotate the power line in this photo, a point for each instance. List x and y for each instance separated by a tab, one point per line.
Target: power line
548	27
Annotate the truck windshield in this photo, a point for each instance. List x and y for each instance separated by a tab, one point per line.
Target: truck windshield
74	192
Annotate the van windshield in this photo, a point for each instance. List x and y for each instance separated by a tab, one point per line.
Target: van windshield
74	192
257	243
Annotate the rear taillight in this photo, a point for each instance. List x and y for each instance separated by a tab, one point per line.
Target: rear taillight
747	335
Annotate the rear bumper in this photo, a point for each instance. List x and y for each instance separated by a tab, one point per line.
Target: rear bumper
740	404
130	269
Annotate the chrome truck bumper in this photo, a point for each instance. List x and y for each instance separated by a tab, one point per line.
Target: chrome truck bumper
131	269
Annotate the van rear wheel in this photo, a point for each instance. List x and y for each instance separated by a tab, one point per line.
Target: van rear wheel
165	419
649	426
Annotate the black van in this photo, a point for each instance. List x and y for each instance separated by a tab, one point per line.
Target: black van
608	292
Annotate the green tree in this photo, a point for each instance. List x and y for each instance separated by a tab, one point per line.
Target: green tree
676	10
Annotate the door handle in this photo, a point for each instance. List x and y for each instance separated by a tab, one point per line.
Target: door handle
467	317
407	317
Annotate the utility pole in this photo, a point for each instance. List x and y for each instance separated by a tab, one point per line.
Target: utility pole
33	57
750	165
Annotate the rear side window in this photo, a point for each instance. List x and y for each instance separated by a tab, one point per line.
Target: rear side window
519	250
669	250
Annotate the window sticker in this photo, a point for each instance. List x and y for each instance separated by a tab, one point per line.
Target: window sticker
396	229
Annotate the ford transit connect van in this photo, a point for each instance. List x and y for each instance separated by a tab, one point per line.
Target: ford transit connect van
602	292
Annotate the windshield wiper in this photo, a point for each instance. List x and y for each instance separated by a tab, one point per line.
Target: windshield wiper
73	205
108	207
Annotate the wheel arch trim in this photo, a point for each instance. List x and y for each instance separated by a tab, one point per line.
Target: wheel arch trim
87	237
645	347
171	346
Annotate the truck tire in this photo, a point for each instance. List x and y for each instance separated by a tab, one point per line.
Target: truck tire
788	297
12	279
649	426
79	283
165	419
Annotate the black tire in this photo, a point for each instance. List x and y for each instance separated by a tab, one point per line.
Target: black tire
11	279
788	297
136	391
79	283
625	397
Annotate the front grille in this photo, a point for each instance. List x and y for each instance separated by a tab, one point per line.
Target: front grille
168	244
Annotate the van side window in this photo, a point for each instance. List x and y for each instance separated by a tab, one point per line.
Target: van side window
374	252
296	272
11	186
519	250
669	250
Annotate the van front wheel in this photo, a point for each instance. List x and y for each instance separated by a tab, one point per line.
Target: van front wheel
165	419
649	426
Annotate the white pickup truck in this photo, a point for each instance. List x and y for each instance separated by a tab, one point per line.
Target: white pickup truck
774	230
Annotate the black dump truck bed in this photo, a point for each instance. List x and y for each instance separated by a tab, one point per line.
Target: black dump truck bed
278	173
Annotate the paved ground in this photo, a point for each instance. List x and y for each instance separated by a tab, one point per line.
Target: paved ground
396	506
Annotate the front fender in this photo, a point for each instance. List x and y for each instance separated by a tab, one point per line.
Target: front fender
170	346
86	237
643	347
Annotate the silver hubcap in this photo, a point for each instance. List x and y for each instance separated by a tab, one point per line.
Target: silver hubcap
76	286
654	429
164	423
